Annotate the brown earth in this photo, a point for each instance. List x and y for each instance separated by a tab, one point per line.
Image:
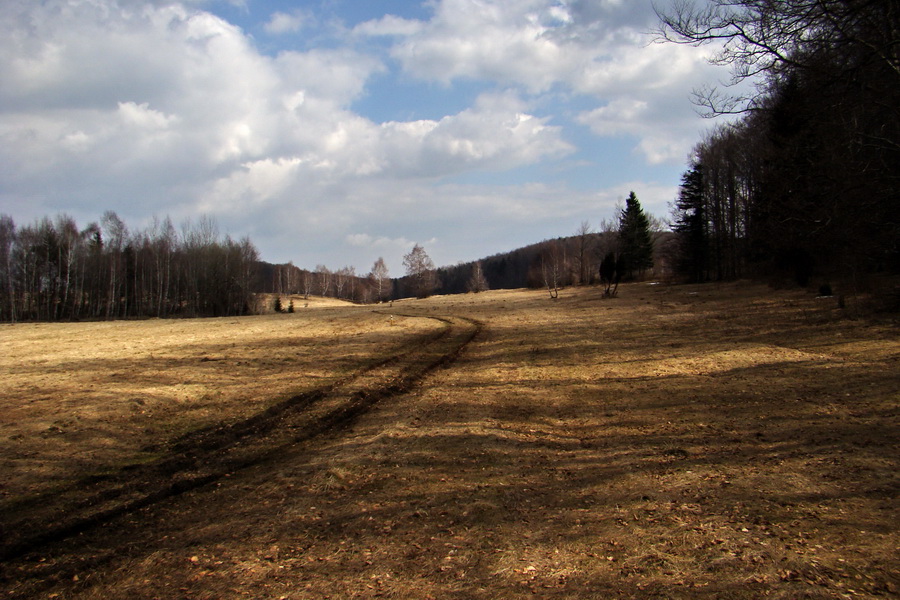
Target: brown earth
676	442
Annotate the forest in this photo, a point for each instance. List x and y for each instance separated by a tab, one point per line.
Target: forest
804	181
52	270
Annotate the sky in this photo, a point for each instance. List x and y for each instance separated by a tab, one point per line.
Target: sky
336	132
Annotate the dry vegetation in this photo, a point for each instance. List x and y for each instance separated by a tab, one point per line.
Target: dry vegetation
706	441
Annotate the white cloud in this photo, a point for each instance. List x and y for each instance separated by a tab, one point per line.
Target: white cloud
380	243
286	22
144	118
496	133
162	107
389	25
338	76
601	50
508	42
665	133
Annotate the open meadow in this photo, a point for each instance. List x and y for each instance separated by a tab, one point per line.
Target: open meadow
714	441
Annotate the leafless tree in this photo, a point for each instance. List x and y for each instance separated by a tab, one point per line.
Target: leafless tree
420	270
308	280
381	279
585	239
323	277
763	39
553	265
343	281
477	282
7	240
115	233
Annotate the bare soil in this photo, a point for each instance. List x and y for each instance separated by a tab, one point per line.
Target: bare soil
676	442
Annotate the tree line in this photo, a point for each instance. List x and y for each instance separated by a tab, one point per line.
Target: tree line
806	183
345	283
54	270
632	245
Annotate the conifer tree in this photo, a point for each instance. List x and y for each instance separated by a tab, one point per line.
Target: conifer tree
635	241
690	225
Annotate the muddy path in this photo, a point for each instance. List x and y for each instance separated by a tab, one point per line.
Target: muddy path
208	455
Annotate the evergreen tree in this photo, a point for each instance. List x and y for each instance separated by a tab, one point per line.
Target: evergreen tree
609	275
635	241
690	225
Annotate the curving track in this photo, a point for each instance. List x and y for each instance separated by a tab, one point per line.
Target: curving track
213	453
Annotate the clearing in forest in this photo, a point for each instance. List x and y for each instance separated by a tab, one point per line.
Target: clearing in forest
675	442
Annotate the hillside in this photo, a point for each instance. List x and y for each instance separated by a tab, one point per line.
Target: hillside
515	269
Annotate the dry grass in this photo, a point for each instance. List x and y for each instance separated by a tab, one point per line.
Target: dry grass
687	442
79	399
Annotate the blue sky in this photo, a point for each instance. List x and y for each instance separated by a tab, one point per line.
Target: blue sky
336	131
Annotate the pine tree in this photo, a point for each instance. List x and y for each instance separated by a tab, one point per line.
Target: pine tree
690	225
635	241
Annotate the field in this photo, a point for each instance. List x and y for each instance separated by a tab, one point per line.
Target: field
717	441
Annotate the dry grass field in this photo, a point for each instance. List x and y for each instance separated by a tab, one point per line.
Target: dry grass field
676	442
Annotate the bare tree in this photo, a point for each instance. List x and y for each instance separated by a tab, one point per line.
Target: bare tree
477	282
342	280
308	280
115	234
585	239
553	265
163	242
51	270
380	278
771	37
323	276
7	240
420	269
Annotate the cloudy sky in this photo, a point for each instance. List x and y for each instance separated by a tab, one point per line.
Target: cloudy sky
338	131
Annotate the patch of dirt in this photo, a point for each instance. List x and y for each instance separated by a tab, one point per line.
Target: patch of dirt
683	442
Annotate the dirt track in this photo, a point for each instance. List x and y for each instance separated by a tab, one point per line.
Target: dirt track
210	454
714	442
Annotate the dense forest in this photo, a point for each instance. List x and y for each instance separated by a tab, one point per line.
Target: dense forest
52	270
807	181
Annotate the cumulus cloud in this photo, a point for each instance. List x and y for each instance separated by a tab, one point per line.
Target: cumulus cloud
215	121
596	49
666	133
156	107
286	22
389	25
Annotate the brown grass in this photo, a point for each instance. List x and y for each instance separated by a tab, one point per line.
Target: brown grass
87	398
684	442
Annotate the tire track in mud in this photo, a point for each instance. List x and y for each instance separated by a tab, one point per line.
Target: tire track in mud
207	455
